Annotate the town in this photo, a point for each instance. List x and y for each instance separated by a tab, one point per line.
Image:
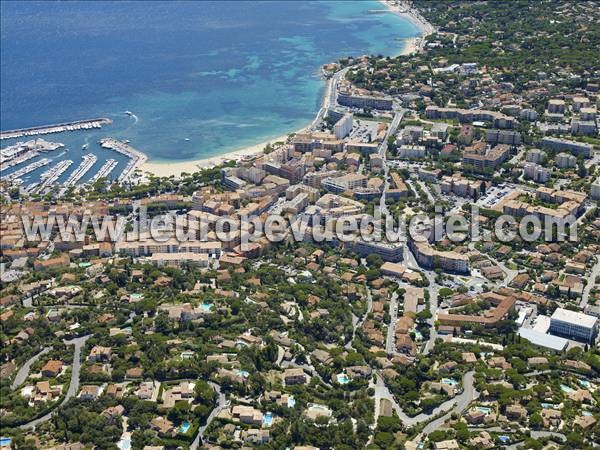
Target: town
433	343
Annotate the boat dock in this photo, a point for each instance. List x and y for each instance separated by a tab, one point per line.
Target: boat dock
18	160
86	164
104	171
137	158
56	128
51	175
29	168
39	145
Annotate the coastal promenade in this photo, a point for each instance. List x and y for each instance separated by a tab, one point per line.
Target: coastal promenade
56	128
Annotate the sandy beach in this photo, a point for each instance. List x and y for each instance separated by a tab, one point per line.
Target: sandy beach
414	44
166	169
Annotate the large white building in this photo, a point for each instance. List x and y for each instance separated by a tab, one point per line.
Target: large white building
343	127
574	325
536	172
596	189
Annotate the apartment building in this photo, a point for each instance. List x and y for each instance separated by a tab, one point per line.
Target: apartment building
573	325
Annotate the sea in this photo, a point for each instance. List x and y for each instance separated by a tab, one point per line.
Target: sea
200	78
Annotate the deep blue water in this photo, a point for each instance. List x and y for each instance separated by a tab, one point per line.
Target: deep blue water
203	78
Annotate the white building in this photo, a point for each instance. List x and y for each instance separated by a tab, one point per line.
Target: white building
535	156
536	172
573	325
565	161
343	127
596	189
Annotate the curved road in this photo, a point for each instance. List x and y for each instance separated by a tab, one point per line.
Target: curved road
456	404
222	404
73	385
23	372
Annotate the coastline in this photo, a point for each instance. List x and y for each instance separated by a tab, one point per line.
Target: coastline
166	169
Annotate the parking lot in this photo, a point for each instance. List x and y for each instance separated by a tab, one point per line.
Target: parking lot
493	195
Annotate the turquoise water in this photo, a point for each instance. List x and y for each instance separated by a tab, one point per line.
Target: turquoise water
184	427
267	419
484	409
202	78
584	383
566	389
342	378
449	381
206	307
291	401
5	441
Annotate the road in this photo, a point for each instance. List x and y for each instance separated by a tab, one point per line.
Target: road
434	289
461	401
390	344
591	281
23	372
222	403
73	385
356	322
456	404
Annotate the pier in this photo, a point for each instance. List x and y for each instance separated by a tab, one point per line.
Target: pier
137	158
56	128
29	168
50	176
18	160
86	164
105	170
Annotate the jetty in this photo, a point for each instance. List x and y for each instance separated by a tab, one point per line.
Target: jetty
27	169
136	158
56	128
86	164
51	175
104	171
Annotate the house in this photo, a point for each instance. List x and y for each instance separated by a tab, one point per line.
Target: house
469	357
52	368
551	417
115	390
450	444
100	354
146	390
294	375
133	373
247	414
182	391
90	392
516	412
113	412
43	392
255	436
163	425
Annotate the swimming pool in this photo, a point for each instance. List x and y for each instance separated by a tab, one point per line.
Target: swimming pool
566	389
291	401
124	443
206	307
449	381
342	378
267	419
584	383
484	409
5	441
548	405
243	373
184	427
504	439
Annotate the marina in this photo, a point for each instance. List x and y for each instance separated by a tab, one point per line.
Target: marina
137	158
105	170
86	164
13	152
18	160
52	175
27	169
56	128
